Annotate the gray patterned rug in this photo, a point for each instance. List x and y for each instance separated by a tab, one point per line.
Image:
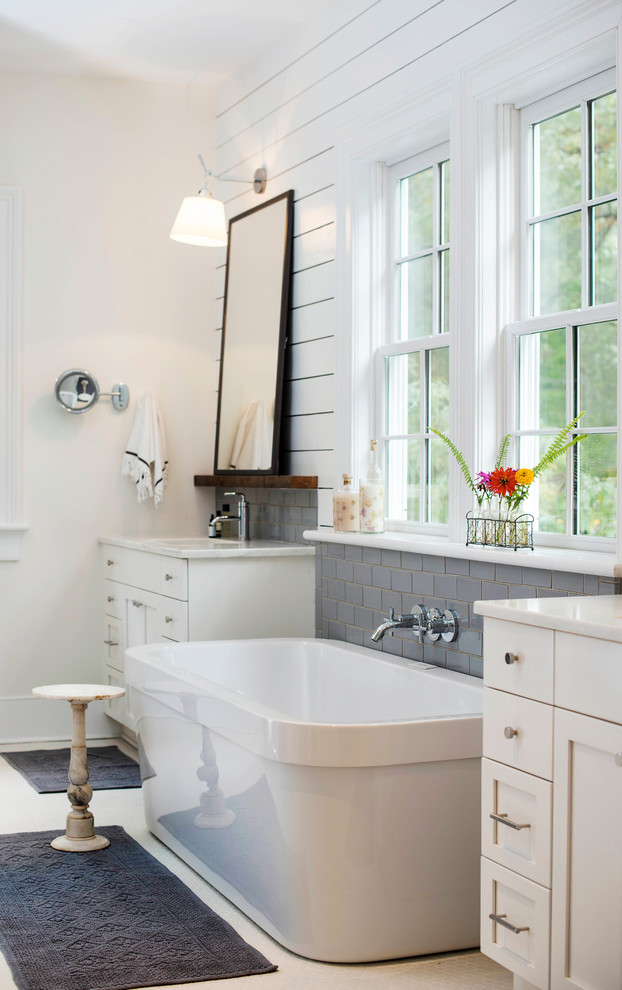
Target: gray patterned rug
113	919
46	769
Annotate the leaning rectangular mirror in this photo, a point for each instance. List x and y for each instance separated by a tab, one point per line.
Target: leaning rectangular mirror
253	339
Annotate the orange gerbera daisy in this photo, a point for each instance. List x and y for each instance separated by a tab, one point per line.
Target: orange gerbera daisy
503	481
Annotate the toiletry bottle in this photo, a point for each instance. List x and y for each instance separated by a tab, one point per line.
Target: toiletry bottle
213	528
346	507
372	495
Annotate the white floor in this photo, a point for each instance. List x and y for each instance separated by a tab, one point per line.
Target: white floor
22	809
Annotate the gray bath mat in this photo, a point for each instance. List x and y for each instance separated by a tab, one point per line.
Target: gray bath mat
46	769
108	920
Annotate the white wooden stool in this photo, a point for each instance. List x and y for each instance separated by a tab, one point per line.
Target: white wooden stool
80	834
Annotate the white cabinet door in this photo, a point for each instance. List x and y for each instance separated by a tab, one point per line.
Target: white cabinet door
141	617
586	947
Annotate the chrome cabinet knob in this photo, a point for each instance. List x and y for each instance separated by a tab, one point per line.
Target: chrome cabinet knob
110	642
509	732
168	577
109	598
110	563
136	603
168	618
511	658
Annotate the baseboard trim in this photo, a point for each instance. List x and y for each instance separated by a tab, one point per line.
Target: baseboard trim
28	719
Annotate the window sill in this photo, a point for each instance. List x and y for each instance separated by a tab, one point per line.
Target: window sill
10	541
574	561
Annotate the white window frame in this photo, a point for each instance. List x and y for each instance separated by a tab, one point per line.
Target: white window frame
11	527
476	107
392	345
577	94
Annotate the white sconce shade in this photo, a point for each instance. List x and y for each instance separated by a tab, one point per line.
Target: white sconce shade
200	221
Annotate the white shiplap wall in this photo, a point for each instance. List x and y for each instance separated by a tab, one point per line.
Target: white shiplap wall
289	110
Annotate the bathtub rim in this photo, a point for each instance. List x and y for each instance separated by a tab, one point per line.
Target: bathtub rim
270	733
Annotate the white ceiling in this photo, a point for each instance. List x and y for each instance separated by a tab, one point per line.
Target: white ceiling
169	40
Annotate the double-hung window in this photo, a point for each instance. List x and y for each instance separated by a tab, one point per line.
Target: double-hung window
563	354
412	365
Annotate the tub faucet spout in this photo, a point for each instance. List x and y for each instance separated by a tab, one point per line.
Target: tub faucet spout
412	620
426	622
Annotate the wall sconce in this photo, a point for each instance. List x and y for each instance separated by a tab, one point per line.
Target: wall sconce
201	218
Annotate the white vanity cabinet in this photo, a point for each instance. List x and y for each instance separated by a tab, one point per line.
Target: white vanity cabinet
183	590
552	792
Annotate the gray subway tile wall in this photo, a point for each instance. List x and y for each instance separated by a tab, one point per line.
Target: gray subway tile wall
276	513
356	586
381	579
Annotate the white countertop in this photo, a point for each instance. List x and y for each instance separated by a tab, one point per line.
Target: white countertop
599	616
196	547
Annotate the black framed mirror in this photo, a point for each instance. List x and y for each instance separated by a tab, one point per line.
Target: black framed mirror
254	334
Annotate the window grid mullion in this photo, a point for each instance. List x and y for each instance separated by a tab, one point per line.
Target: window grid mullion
423	423
586	216
571	403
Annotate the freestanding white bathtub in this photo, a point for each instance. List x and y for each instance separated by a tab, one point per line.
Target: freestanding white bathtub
329	792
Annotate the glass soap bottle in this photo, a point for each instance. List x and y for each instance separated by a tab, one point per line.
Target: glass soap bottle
346	507
372	495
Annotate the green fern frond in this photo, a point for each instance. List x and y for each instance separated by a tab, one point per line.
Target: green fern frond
502	452
459	458
559	445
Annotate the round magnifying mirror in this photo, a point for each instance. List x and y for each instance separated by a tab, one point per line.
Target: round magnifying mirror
76	390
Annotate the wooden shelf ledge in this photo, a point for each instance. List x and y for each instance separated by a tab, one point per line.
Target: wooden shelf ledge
255	480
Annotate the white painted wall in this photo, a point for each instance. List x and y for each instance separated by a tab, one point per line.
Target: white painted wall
299	107
103	165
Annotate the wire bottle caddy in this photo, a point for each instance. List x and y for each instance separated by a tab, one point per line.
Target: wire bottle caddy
513	532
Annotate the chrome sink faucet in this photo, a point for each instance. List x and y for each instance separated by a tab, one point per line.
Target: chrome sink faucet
244	517
427	622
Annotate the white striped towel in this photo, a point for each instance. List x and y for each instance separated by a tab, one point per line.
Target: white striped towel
144	459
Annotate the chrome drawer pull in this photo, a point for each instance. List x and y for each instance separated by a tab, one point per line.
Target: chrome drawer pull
506	924
511	658
110	642
110	563
168	618
168	577
137	604
504	820
509	732
109	598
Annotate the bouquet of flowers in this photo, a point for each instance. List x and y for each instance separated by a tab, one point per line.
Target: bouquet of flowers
507	484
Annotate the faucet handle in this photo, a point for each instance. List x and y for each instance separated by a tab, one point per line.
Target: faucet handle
421	611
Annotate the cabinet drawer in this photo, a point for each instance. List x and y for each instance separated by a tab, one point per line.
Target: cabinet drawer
113	602
521	841
173	620
523	905
113	645
530	747
588	678
112	562
142	569
115	707
173	577
529	651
